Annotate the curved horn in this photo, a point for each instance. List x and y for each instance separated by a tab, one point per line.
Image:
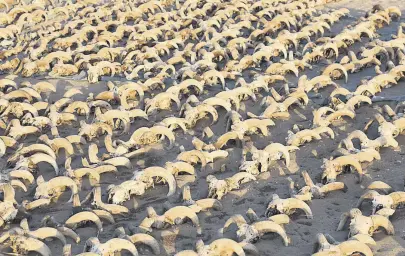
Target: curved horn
339	113
349	160
62	181
366	239
353	246
161	172
343	220
119	244
299	204
119	161
177	167
69	233
333	186
166	132
221	141
37	203
93	151
147	240
339	91
335	66
44	87
40	157
237	219
105	168
22	174
41	148
270	226
357	99
46	232
225	246
3	2
18	183
35	245
102	214
381	221
379	185
398	198
2	148
81	217
173	214
280	219
186	253
9	193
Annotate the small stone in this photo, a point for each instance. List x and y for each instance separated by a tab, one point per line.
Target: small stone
342	128
223	168
314	152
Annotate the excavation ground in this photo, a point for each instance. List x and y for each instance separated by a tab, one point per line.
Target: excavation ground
256	194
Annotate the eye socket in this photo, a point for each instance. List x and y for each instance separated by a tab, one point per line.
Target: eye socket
273	211
379	207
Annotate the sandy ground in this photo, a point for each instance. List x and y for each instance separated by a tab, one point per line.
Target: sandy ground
257	194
